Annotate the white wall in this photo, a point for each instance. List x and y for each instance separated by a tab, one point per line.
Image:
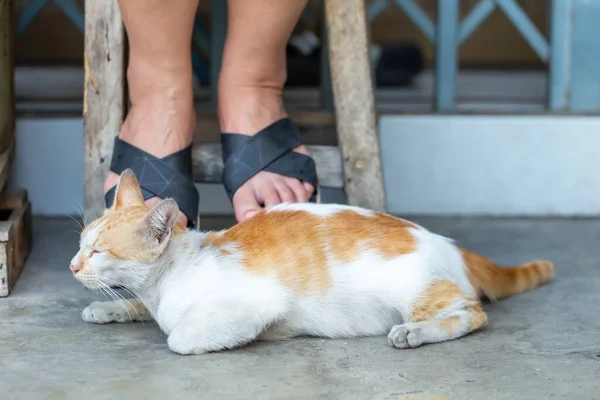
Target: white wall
49	163
444	165
492	165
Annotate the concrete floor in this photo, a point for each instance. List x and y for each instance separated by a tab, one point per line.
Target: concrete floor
543	344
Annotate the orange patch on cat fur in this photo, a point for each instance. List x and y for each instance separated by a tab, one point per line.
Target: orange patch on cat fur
284	249
436	298
349	233
442	295
496	282
479	318
291	246
476	318
450	325
117	235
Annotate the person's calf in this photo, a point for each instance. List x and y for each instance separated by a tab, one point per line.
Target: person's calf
161	119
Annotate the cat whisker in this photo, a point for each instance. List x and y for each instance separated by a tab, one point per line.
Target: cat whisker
103	294
119	296
96	288
114	296
78	223
81	212
106	293
110	282
113	283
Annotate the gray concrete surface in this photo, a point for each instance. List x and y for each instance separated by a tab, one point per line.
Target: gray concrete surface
540	345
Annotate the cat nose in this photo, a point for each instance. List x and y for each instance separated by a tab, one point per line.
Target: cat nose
75	265
74	268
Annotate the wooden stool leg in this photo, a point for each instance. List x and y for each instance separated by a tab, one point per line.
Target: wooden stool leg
104	96
354	102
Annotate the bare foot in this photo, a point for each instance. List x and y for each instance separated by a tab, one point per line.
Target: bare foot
247	112
160	123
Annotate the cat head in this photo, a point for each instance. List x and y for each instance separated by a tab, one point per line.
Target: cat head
122	246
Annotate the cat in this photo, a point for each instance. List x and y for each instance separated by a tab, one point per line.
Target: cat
294	270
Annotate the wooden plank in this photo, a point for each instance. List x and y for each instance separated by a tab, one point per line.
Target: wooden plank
208	165
104	96
354	102
15	240
7	108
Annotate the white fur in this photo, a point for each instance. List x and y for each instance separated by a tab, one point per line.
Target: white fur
206	301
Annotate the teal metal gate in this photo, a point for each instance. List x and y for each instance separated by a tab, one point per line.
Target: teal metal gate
572	51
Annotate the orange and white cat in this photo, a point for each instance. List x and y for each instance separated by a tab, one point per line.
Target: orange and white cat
297	269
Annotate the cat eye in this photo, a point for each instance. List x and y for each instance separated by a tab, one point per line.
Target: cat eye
94	251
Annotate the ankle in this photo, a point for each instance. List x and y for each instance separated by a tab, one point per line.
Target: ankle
159	126
161	119
246	110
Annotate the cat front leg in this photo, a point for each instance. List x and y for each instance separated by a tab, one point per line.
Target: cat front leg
104	312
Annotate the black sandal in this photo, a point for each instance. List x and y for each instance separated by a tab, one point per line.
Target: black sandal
269	150
168	177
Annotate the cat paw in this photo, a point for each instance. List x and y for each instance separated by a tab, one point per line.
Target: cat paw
180	345
101	312
405	337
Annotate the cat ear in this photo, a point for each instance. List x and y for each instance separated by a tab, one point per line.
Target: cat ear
128	191
159	222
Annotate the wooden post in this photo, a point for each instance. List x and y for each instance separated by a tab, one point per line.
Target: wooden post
354	102
104	96
7	108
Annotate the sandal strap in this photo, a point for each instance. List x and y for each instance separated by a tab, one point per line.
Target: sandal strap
270	150
167	177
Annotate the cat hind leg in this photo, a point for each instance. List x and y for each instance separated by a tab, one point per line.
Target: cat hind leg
443	313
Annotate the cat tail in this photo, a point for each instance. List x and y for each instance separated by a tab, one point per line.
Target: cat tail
496	282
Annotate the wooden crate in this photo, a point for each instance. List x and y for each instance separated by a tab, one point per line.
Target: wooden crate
15	238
